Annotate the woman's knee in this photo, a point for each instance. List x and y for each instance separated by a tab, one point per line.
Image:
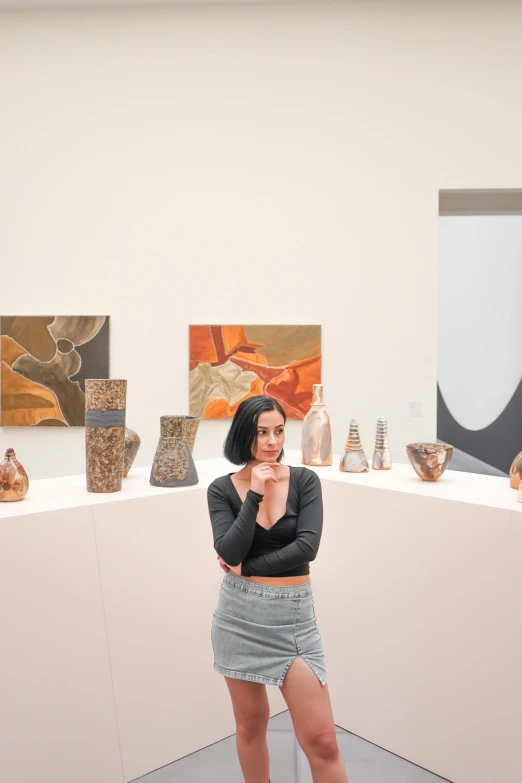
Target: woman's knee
322	745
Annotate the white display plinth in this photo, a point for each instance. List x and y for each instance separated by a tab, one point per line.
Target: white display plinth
107	603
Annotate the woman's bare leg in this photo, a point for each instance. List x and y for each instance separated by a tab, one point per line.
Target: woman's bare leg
252	713
311	713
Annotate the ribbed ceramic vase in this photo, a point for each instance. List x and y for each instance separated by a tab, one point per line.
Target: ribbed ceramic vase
429	460
173	465
354	459
382	455
132	445
105	402
316	437
14	481
515	473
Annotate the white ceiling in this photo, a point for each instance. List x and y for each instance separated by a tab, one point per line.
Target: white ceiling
25	4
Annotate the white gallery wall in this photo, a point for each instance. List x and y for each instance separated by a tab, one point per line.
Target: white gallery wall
249	164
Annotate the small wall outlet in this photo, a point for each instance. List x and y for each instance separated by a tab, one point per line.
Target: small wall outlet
415	408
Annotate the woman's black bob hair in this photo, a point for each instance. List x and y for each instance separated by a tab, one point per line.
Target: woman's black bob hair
242	435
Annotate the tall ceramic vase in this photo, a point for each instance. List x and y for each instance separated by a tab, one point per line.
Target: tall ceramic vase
105	433
173	465
316	438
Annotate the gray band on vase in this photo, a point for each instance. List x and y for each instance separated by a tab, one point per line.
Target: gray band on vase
104	418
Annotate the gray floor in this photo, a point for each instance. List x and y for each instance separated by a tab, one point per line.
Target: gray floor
365	763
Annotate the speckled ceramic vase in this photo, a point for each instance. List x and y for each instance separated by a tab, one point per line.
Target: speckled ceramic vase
14	481
169	428
105	433
173	465
132	445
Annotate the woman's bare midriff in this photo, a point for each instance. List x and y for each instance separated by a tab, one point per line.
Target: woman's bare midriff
279	581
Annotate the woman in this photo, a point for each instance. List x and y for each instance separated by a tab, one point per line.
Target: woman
267	524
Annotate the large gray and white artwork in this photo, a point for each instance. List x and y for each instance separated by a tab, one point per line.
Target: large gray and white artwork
479	409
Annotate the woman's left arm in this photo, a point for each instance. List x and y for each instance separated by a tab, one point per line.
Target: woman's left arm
308	536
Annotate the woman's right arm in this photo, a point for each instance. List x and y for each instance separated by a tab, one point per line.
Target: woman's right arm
233	535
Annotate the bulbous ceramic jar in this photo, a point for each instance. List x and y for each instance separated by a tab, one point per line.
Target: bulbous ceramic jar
14	481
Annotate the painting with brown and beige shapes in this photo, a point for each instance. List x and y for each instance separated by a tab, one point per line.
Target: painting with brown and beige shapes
44	361
228	364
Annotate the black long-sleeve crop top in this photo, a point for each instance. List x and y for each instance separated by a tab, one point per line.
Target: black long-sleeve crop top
285	549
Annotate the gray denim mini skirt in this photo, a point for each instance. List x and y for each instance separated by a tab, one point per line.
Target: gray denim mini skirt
258	630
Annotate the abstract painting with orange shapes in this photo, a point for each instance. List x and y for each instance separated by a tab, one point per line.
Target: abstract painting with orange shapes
228	364
44	361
